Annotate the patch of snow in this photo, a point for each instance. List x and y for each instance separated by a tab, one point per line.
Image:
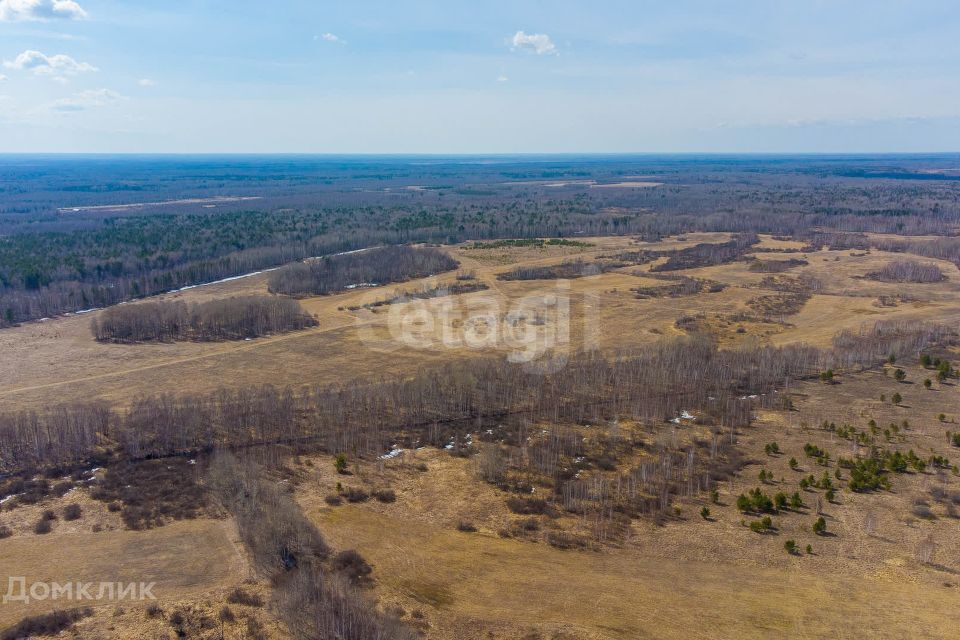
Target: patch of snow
362	285
686	415
393	453
3	500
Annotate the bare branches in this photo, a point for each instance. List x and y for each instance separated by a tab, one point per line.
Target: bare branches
230	319
373	267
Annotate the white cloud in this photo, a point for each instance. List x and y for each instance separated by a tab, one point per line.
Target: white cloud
41	64
539	43
84	100
329	37
40	10
502	78
146	82
2	77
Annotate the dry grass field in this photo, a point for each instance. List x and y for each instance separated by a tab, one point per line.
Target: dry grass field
687	577
59	356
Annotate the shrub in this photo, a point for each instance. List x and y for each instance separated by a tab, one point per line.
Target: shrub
42	527
50	624
49	515
763	525
385	495
72	512
154	610
177	619
530	524
809	550
333	500
820	526
705	513
896	398
245	598
466	526
351	564
527	506
340	463
5	532
795	501
922	510
793	463
899	375
565	540
780	501
714	496
790	546
226	615
153	492
353	494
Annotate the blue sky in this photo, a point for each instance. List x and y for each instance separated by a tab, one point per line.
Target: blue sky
478	77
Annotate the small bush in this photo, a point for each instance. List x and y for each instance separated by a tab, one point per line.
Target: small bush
922	510
333	500
530	524
226	615
820	526
353	494
385	495
466	526
49	515
154	610
790	546
565	540
705	513
527	506
72	512
42	527
5	532
351	564
245	598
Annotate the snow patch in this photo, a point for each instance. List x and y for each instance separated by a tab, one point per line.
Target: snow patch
393	453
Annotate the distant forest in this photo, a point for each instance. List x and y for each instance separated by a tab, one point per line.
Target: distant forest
229	319
57	256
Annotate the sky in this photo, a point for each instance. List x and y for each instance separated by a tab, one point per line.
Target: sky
291	76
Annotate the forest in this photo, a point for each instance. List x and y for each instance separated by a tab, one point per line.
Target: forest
381	265
236	318
57	256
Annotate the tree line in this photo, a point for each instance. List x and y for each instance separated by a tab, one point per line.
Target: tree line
440	404
234	318
907	271
377	266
